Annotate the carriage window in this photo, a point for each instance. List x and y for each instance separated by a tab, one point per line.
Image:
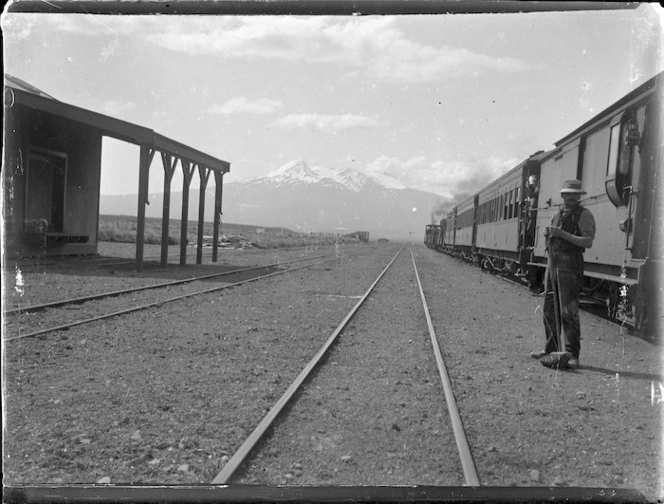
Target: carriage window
515	208
511	205
624	140
614	148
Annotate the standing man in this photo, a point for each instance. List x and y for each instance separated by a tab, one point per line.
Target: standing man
572	230
532	195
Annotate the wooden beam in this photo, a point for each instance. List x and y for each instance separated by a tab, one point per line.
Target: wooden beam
204	174
187	171
146	156
109	126
169	164
165	144
219	185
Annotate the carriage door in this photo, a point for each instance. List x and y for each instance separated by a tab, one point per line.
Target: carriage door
45	190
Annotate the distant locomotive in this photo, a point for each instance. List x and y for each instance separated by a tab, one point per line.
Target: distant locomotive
617	156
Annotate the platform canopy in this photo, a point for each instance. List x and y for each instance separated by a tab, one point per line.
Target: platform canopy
19	92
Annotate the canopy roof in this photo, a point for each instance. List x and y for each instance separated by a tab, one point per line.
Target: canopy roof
20	92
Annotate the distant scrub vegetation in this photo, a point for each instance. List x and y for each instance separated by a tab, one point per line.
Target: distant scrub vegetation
120	228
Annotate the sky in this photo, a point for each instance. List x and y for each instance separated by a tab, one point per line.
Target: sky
445	103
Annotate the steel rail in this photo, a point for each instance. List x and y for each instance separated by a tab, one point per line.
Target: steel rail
86	261
93	262
241	454
467	463
157	303
111	261
83	299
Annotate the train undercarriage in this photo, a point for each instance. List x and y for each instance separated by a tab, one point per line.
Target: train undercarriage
622	303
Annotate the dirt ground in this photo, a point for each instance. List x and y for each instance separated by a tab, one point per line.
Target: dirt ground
166	395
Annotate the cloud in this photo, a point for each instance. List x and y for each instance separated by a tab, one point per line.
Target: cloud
376	46
326	123
243	105
372	47
282	37
452	179
409	62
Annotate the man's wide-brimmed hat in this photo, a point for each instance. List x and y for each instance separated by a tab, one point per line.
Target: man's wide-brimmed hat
572	186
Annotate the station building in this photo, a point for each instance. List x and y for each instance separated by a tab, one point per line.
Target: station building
52	174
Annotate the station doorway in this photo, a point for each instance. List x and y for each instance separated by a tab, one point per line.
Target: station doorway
45	190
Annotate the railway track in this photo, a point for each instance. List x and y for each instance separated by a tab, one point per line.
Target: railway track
97	261
92	261
27	326
82	299
26	287
199	380
454	425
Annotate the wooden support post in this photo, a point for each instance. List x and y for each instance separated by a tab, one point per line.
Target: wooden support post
187	170
146	156
169	169
219	184
204	174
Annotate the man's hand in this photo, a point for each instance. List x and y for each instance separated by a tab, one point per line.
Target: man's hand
554	232
579	241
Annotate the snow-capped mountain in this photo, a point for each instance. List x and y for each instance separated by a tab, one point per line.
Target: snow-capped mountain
299	195
309	197
300	172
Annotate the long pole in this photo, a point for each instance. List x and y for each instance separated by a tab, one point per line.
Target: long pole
553	277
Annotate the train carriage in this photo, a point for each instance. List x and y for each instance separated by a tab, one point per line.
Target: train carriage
448	234
441	236
616	155
503	240
464	228
432	235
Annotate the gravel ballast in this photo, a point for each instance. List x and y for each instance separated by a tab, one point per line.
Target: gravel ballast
166	395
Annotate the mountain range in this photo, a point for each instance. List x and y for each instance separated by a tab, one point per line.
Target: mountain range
307	198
